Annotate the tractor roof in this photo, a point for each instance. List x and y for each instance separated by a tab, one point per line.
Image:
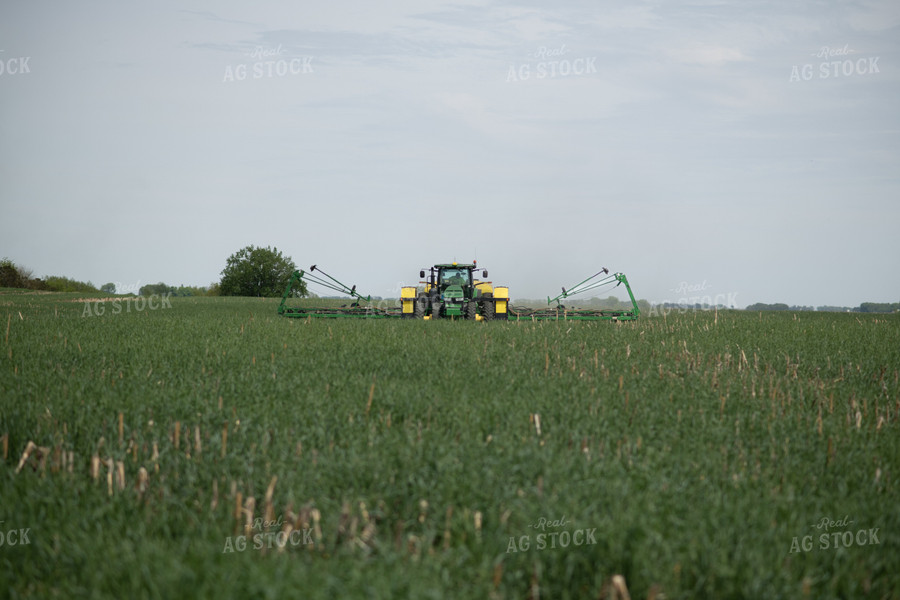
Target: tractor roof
456	266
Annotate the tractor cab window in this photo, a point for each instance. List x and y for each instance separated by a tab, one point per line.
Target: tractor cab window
455	277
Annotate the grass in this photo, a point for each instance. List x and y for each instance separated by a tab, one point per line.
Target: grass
420	455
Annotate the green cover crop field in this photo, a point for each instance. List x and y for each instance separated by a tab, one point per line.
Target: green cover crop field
205	447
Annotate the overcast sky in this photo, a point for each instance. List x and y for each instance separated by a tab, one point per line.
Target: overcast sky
746	150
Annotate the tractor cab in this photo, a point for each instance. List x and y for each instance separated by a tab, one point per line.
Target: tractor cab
442	277
447	276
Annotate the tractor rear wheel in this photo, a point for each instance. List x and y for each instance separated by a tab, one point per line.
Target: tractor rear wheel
420	307
471	310
487	307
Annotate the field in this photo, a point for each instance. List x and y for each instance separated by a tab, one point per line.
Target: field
208	448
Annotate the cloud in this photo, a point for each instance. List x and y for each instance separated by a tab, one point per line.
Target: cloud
533	26
706	55
876	17
630	17
214	18
473	111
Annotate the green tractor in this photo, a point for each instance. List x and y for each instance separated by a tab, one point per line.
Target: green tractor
451	290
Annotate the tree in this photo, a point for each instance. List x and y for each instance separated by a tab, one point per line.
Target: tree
759	306
9	274
878	307
155	289
58	283
108	288
257	272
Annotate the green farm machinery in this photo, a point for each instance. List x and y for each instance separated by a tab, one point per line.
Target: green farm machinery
360	306
452	291
601	280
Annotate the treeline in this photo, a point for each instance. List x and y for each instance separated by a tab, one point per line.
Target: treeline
161	289
879	307
865	307
16	276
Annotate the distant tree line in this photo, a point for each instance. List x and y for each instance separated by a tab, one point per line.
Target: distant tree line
16	276
779	306
687	306
865	307
162	289
879	307
251	271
